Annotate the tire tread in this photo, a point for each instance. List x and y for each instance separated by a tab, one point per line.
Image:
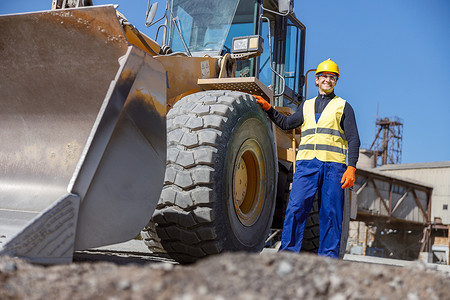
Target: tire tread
183	223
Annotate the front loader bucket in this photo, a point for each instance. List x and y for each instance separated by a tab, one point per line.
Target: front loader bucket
83	137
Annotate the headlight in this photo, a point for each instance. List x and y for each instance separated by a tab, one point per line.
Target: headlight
240	45
253	43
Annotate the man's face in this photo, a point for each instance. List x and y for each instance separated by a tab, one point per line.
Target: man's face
326	82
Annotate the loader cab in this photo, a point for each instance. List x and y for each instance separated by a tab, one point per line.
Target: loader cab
197	29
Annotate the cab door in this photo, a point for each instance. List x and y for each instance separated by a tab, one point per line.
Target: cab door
288	54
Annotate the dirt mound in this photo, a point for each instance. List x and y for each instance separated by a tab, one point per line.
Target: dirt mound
227	276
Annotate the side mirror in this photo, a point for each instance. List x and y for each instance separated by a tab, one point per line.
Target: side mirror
151	14
285	6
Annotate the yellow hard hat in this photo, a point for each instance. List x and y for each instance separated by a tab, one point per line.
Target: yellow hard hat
328	66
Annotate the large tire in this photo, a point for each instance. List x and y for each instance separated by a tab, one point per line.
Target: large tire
285	175
151	238
311	236
219	191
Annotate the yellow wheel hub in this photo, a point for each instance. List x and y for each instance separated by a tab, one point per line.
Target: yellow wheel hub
240	189
248	176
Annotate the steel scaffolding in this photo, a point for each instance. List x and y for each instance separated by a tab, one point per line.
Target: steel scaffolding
387	145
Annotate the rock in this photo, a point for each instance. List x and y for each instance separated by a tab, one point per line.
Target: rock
123	284
284	268
338	296
321	284
8	266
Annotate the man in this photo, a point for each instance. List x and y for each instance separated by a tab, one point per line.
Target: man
329	136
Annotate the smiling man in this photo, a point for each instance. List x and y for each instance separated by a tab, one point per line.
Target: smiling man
326	161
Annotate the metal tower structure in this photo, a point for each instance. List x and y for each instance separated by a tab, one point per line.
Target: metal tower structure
387	145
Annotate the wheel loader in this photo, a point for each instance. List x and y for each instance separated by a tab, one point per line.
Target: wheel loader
104	129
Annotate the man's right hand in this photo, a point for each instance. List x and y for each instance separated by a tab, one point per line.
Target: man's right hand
264	104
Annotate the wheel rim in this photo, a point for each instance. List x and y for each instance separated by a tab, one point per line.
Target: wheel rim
248	178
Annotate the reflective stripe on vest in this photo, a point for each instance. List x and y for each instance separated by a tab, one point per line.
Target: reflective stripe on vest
324	140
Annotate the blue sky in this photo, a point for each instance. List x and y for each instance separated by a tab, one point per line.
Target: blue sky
394	59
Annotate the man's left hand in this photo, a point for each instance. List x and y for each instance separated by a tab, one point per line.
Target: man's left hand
348	179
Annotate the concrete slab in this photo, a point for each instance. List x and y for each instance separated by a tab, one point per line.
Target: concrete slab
377	260
133	246
394	262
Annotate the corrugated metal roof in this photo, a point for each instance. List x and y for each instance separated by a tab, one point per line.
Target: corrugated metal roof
388	175
430	165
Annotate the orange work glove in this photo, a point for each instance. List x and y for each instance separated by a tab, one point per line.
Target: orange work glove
264	104
348	179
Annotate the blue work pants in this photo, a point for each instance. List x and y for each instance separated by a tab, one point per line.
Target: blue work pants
313	176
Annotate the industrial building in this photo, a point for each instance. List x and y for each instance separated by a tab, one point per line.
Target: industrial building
437	175
401	210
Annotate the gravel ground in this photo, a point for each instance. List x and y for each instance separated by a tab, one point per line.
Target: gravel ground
227	276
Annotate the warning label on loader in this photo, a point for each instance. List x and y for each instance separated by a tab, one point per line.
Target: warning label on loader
205	69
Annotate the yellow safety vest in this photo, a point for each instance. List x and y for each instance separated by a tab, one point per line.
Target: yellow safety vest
324	140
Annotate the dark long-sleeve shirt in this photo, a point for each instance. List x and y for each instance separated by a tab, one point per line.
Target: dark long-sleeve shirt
348	123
